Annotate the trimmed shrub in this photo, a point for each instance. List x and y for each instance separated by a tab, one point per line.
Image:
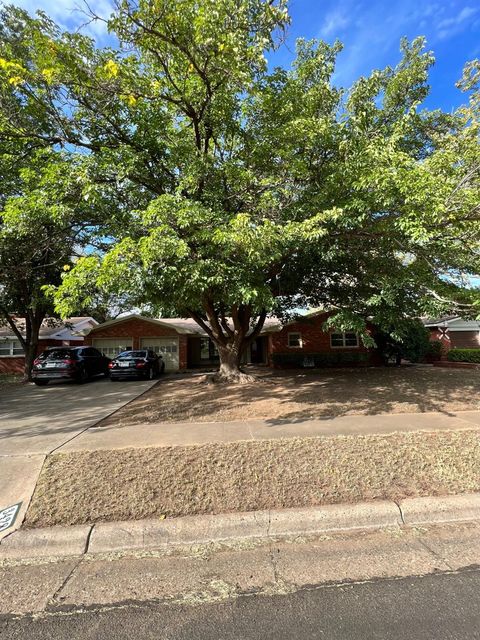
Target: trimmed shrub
464	355
314	360
415	343
435	350
410	340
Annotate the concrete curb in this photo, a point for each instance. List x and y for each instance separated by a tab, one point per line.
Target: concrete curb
440	509
45	543
154	534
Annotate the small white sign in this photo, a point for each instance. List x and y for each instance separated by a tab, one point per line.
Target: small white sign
8	516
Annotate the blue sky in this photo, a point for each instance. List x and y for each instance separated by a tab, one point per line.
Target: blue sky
370	30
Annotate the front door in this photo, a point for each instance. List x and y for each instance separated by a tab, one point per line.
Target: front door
257	351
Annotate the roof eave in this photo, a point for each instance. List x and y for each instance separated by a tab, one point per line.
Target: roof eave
136	316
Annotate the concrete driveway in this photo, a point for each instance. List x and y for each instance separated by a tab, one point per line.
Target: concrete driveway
35	421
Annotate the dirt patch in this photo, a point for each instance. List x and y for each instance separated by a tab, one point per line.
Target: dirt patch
130	484
304	395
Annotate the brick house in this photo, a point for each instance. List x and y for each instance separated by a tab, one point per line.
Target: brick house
168	336
52	333
305	343
454	333
184	345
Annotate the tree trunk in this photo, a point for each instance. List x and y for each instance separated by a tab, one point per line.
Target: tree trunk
231	341
30	355
230	369
33	322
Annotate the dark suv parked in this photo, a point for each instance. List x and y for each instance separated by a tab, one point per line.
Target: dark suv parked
138	364
73	363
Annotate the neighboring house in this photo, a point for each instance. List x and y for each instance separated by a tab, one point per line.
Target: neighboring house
184	345
454	333
52	333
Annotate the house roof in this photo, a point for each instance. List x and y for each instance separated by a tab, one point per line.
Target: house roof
188	326
273	323
52	328
191	326
436	322
181	325
452	323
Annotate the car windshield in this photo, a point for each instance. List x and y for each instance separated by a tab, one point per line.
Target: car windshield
57	354
131	354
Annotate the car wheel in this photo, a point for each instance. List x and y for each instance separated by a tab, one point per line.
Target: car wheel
113	379
82	376
163	368
41	383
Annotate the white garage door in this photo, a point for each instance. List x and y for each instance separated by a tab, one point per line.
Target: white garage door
166	347
111	347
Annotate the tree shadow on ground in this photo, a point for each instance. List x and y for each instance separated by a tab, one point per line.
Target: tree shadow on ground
295	396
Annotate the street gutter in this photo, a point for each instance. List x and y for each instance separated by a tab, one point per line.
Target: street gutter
168	534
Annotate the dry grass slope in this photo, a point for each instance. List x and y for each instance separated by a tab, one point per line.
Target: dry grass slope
240	476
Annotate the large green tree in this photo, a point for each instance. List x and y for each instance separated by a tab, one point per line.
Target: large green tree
36	240
47	221
236	191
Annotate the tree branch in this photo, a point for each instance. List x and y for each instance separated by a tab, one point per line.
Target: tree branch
258	325
14	328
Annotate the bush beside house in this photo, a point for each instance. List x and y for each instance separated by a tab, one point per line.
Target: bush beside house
436	351
314	360
464	355
453	333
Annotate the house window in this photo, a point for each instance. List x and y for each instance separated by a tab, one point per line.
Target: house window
344	339
295	340
204	349
11	348
208	349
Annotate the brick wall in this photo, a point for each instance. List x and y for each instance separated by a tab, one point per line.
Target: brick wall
439	334
136	329
315	340
455	339
464	340
12	364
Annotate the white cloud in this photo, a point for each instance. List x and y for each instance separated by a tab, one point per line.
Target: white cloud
334	23
449	27
371	29
464	14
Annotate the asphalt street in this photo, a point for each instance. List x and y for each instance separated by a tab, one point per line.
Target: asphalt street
442	606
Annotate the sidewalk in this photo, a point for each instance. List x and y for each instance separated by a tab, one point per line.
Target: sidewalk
36	421
191	433
19	471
